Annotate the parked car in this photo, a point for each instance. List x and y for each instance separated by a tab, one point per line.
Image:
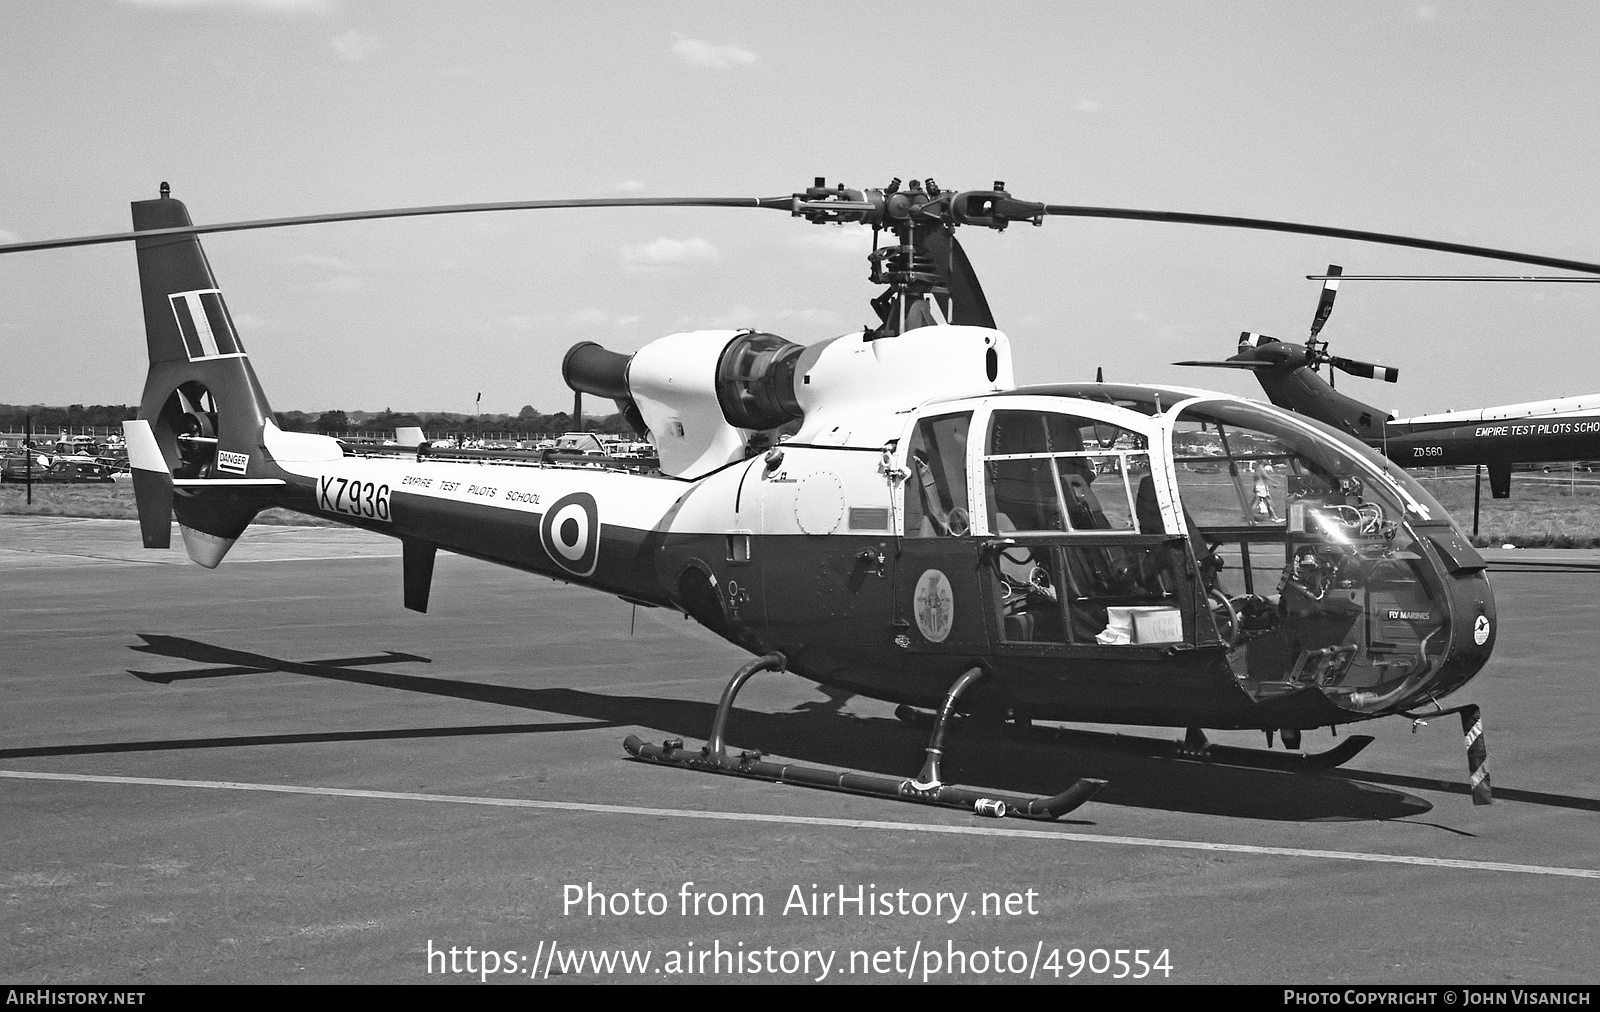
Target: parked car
62	471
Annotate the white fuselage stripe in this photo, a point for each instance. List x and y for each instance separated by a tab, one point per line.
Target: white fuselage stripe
625	500
803	820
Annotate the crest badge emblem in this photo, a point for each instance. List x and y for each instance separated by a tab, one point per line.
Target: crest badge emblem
934	605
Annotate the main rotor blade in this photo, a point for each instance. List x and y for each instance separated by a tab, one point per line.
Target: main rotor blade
1556	278
1231	364
783	203
1018	210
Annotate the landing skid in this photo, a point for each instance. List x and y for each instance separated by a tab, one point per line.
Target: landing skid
926	788
1193	748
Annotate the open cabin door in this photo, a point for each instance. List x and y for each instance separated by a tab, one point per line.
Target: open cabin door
1082	551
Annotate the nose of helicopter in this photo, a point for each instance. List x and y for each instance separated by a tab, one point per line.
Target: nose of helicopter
1456	588
1473	623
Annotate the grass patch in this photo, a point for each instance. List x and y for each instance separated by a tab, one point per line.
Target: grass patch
105	502
1544	511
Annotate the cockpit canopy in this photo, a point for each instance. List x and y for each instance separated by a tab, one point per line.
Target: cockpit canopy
1196	518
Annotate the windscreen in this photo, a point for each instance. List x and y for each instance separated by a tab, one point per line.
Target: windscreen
1310	559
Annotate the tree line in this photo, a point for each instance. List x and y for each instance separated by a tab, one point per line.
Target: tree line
111	416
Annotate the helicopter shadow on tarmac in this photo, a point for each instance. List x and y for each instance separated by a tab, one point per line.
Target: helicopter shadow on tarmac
813	732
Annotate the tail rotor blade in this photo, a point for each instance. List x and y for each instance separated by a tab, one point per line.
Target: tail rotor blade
1366	370
1330	289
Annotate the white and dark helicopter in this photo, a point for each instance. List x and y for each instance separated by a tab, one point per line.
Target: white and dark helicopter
931	534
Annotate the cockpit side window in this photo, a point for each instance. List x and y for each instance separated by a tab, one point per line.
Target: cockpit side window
1229	475
1053	472
936	503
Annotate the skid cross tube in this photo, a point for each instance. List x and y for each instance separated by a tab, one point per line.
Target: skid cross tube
926	789
929	779
717	745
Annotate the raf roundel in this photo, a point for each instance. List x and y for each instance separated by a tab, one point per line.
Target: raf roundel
570	532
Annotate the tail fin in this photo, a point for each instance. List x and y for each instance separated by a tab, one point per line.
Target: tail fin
152	484
202	409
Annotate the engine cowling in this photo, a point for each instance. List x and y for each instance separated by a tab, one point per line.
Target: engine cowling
704	394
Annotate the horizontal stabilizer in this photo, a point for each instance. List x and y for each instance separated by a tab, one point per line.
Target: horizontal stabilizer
229	482
1231	364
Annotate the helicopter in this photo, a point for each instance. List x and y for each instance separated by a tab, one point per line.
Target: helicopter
928	533
1565	428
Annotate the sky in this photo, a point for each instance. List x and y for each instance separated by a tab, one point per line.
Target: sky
1467	122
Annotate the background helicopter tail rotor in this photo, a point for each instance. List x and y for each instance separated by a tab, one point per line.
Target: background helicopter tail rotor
1366	370
1259	352
1317	351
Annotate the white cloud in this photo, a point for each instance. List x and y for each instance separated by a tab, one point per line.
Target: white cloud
319	260
815	317
343	284
248	321
9	236
590	317
355	45
706	54
847	238
665	251
628	321
267	6
741	315
1426	12
334	275
1088	105
630	186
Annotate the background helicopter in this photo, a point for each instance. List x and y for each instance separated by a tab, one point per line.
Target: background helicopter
1559	429
933	535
